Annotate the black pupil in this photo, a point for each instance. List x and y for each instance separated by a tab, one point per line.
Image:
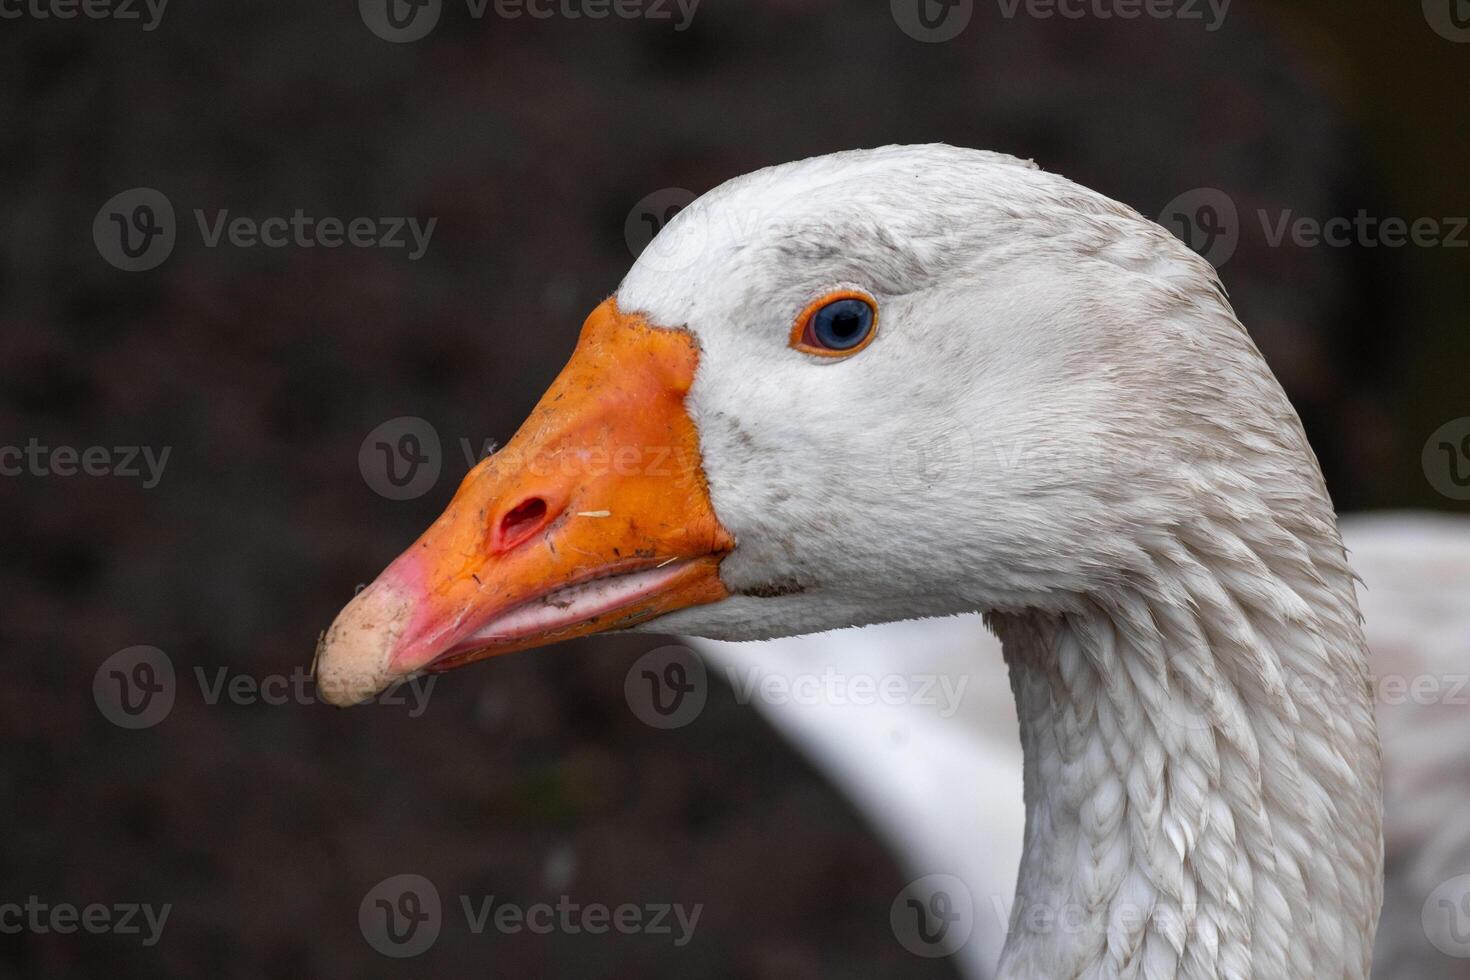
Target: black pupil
843	323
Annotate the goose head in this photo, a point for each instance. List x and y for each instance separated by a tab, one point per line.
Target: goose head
920	381
871	386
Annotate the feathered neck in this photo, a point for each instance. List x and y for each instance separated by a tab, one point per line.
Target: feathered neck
1201	765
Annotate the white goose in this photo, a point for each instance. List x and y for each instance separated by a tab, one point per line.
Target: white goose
1128	497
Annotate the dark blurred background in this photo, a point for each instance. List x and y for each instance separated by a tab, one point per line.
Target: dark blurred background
534	143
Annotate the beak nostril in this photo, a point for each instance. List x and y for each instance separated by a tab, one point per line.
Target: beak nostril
521	521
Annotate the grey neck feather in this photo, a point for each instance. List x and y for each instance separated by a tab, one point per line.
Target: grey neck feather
1201	767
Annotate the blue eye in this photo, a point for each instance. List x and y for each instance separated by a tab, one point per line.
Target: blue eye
837	324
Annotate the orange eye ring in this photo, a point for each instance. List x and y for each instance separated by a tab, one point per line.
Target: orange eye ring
804	332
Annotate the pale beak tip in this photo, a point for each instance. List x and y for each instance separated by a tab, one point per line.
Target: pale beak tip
354	659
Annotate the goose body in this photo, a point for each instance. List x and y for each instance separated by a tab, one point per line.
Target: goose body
926	381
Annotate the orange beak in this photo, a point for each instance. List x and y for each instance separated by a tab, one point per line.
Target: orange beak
594	517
